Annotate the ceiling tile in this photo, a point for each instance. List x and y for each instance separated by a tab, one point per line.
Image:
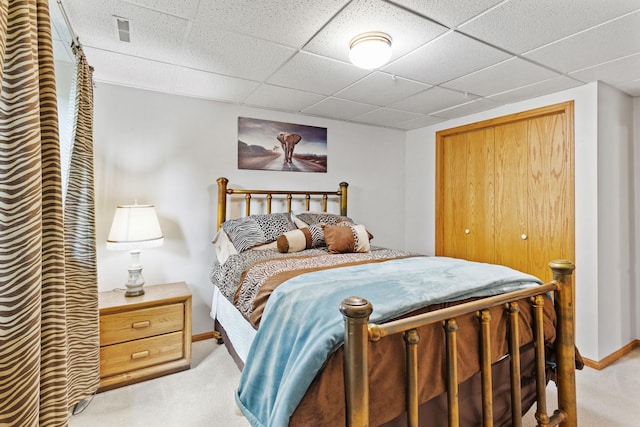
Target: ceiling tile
381	89
406	29
522	25
339	108
184	8
282	98
313	73
510	74
291	55
154	35
419	122
631	87
385	117
601	44
264	19
434	63
59	30
447	12
431	100
201	84
614	72
545	87
230	53
462	110
115	68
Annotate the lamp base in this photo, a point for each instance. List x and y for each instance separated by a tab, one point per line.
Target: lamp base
134	292
135	282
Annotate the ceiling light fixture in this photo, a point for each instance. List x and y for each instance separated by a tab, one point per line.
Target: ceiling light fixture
370	50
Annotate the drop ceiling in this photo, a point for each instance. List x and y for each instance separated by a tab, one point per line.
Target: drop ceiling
450	58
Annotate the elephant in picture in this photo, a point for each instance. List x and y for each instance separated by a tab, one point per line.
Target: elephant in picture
288	142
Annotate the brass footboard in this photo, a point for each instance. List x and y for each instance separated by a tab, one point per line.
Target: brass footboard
358	332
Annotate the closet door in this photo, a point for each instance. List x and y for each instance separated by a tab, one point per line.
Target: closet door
510	177
534	196
551	201
466	207
512	195
453	205
481	181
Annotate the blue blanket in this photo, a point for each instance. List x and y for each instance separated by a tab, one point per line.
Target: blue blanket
301	325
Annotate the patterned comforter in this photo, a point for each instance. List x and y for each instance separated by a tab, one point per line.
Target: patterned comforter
248	278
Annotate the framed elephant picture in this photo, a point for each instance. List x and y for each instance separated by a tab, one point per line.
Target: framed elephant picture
279	146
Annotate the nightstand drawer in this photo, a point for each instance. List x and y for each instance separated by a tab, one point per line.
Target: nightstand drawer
142	323
146	336
129	356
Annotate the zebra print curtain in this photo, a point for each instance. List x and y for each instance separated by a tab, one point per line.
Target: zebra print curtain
81	273
34	343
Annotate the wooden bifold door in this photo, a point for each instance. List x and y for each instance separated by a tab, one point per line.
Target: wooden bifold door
505	190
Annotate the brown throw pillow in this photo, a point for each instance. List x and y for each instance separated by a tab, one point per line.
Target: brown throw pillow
346	238
346	223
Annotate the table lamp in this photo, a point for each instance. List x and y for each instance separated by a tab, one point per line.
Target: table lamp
134	227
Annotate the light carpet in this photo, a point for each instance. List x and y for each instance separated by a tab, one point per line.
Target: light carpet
203	396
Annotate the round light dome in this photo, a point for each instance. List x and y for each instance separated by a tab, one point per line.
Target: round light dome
370	50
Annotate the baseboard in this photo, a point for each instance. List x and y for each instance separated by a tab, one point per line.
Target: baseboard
603	363
203	336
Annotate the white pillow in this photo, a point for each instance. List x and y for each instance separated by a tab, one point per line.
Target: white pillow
298	222
272	245
224	247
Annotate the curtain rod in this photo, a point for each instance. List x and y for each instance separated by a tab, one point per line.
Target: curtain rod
74	37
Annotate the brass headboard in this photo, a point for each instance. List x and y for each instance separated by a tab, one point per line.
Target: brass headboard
223	192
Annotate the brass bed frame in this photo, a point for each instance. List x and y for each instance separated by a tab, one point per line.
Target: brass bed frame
358	331
224	191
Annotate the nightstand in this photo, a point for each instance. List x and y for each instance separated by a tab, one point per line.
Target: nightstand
146	336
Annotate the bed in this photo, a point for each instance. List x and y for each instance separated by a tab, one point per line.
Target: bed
421	340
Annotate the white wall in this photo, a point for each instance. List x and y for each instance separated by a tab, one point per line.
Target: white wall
604	308
635	221
169	150
615	213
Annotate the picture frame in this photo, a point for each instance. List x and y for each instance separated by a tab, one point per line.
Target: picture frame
279	146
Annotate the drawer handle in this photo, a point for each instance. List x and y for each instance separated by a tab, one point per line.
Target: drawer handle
141	325
140	354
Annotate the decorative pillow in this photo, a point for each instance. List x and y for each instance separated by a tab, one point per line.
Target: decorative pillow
301	239
346	238
298	222
347	223
224	247
272	245
312	218
254	230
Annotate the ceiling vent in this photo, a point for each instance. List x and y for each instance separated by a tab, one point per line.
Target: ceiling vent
122	28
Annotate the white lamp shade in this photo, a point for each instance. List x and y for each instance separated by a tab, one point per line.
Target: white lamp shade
135	227
370	50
